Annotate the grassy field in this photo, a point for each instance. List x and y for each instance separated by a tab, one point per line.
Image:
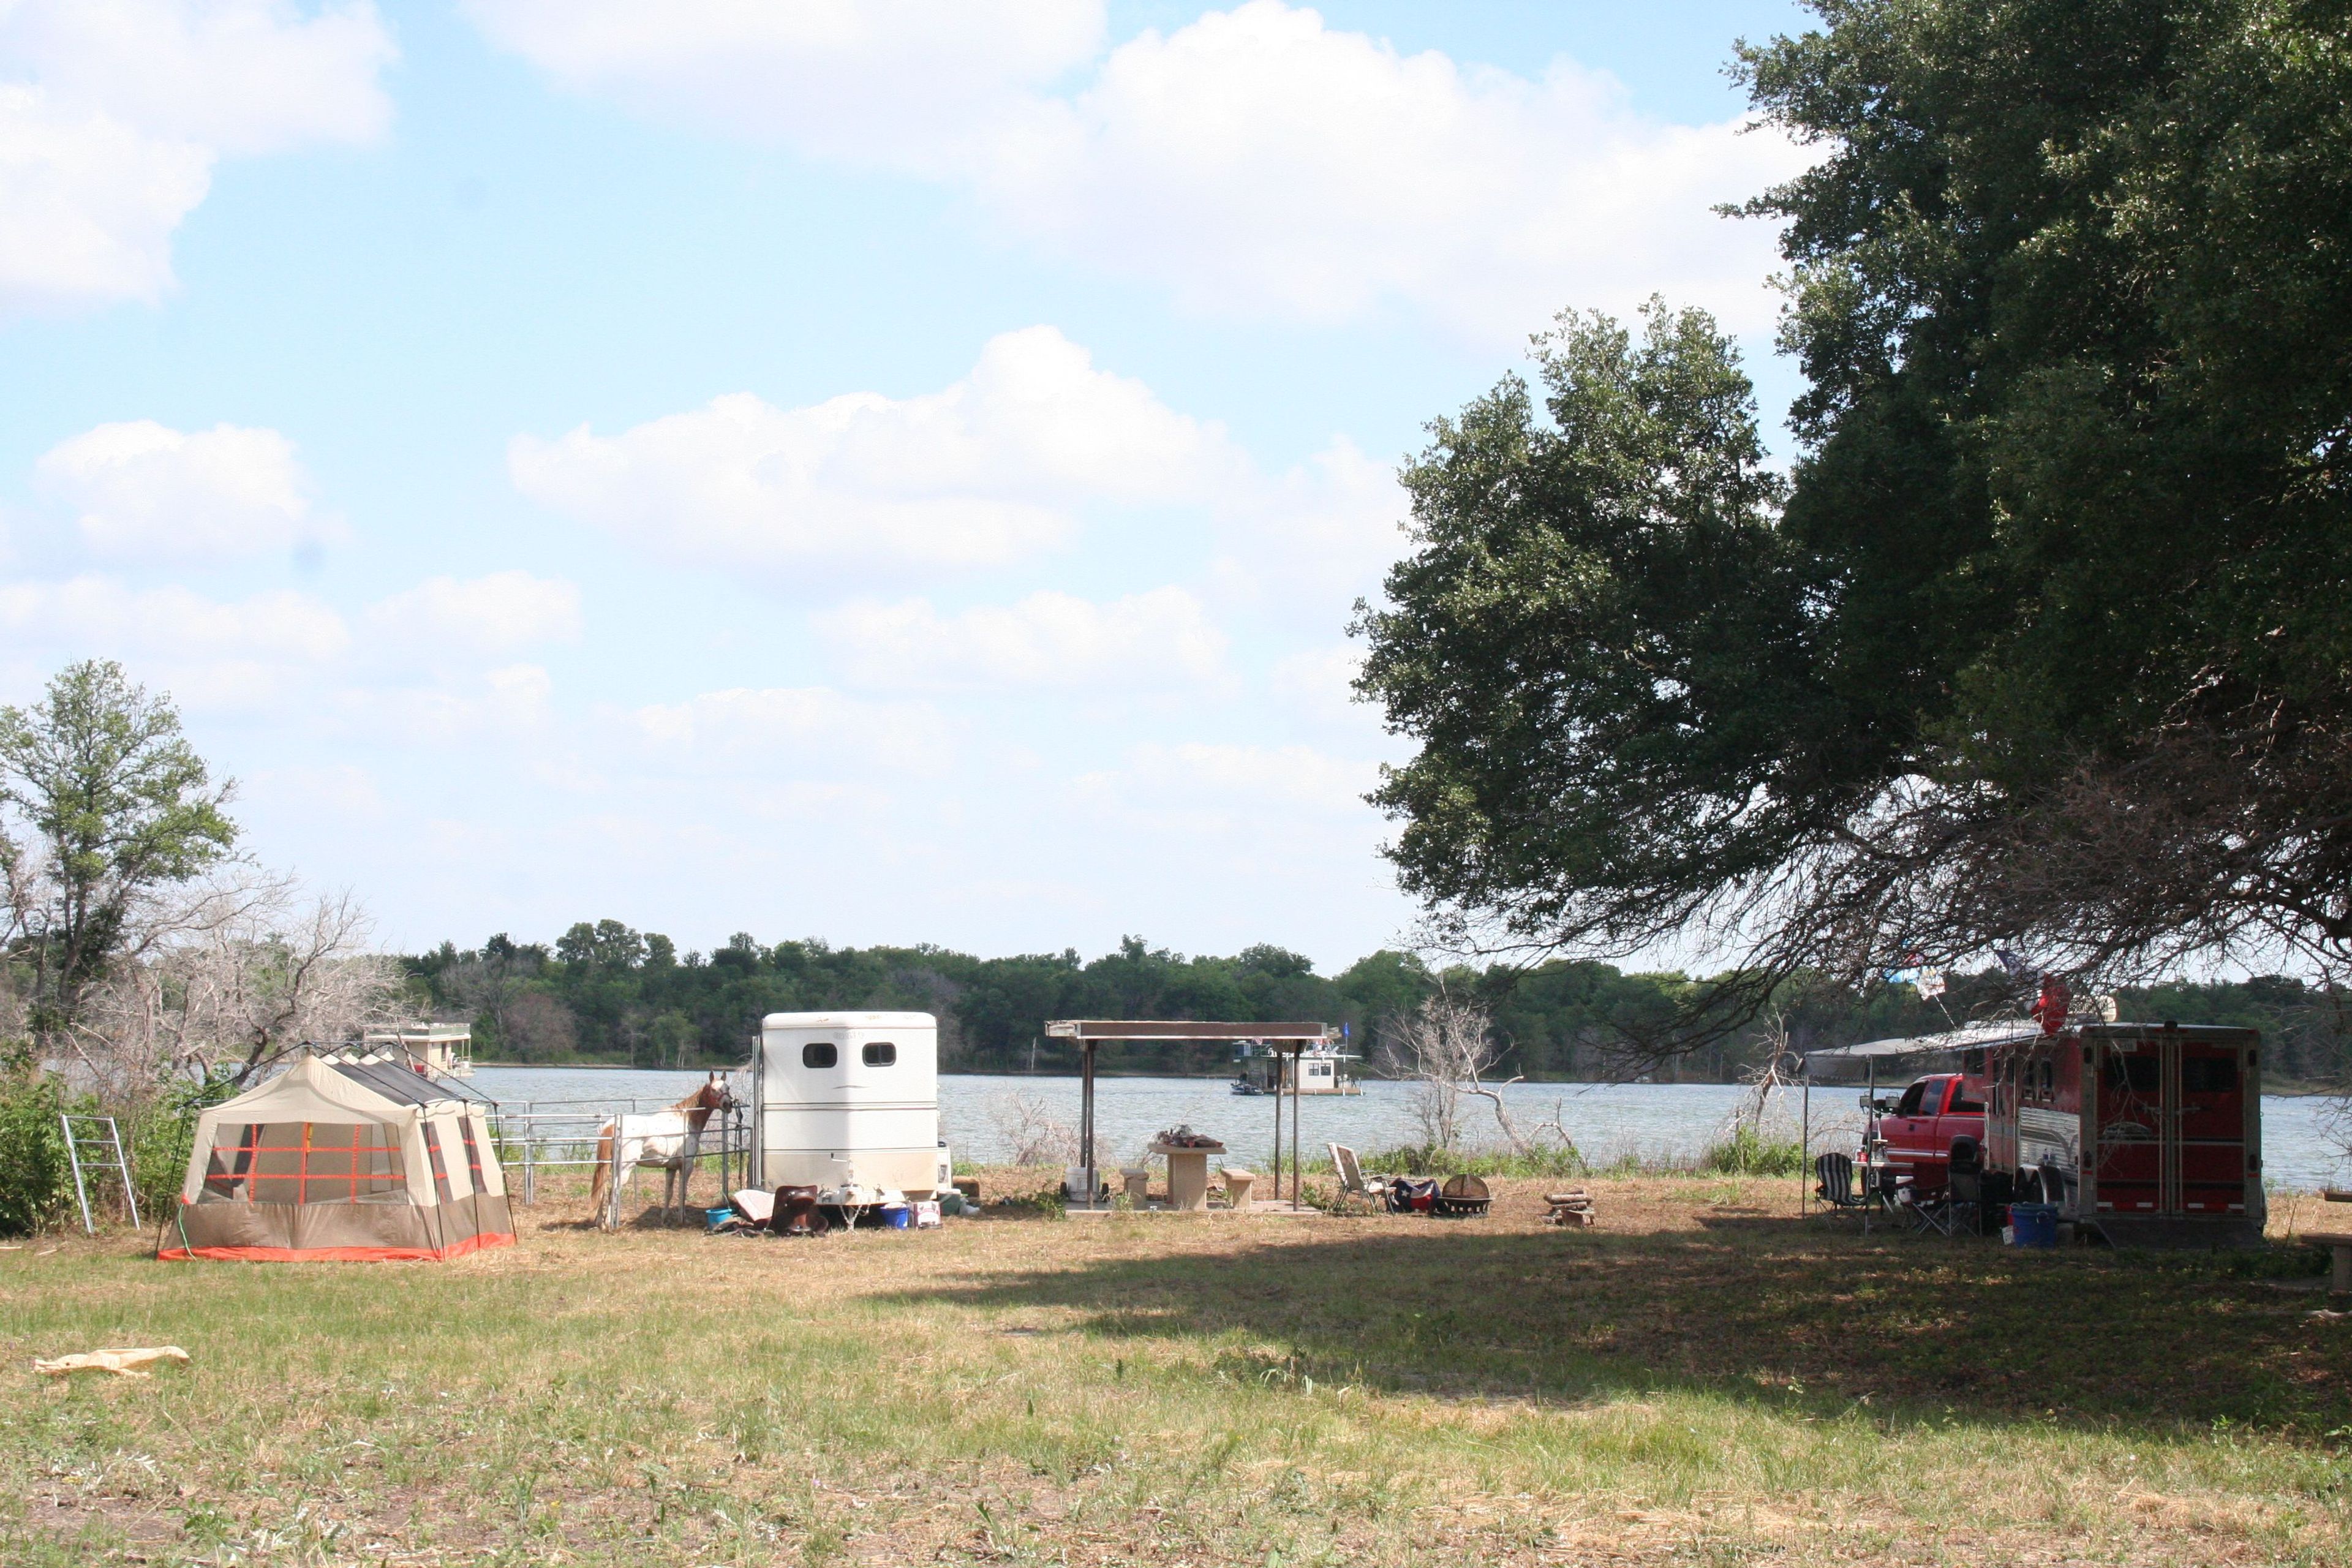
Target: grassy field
1704	1378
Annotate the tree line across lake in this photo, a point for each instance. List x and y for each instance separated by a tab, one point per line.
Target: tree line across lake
606	993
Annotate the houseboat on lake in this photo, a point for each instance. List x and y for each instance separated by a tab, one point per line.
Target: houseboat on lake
1322	1069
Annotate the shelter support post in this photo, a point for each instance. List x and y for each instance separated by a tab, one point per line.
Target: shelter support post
1805	1149
1297	1058
1087	1117
1277	1127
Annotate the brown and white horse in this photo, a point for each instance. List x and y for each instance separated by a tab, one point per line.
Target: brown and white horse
668	1140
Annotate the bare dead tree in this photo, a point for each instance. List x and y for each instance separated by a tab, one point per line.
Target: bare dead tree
228	977
1033	1134
1770	1075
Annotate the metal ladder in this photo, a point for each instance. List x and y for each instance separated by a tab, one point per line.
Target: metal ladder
101	1145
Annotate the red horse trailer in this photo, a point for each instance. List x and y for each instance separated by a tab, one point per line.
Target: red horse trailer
2149	1133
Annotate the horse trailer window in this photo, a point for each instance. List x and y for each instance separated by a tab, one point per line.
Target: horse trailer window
2208	1075
819	1054
2134	1074
879	1054
2049	1079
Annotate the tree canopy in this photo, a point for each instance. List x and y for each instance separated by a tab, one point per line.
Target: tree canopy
114	806
2046	642
1563	1019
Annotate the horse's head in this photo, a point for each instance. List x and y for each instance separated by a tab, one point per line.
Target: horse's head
711	1096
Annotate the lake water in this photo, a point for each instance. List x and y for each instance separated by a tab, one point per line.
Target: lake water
985	1116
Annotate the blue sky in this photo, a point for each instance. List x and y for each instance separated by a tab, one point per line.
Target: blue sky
891	471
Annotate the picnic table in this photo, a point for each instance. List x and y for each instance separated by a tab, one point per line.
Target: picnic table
1187	1174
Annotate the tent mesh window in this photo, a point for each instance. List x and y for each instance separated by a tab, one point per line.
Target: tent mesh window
473	1153
306	1162
440	1171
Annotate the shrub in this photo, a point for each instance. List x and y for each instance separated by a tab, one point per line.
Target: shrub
35	1181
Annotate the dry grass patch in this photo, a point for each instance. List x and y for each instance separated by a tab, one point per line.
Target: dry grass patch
1703	1379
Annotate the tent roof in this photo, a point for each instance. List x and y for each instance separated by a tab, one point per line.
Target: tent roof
310	1090
402	1085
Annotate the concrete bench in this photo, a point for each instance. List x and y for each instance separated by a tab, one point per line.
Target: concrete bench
2340	1280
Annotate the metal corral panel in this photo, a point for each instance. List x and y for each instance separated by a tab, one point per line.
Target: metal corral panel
850	1096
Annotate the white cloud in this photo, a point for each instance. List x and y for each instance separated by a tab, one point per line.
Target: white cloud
209	655
497	613
1224	800
113	112
1141	642
150	493
87	204
797	731
1320	683
1255	162
991	469
1319	538
1290	775
863	80
98	614
507	704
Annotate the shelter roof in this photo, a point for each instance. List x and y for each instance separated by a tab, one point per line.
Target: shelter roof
1182	1029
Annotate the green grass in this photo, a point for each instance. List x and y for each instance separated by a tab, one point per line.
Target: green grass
1704	1378
1747	1152
1429	1160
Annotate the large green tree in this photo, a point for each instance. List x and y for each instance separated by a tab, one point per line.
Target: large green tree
2049	643
111	807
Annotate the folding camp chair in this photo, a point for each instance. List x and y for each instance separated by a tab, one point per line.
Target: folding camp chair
1352	1178
1965	1195
1836	1188
1930	1214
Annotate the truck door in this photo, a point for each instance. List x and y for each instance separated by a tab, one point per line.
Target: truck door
1908	1126
2208	1162
2132	1156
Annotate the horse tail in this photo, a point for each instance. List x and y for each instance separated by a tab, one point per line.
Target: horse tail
603	1172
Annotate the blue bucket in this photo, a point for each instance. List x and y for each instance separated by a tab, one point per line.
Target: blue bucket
717	1217
895	1215
2034	1225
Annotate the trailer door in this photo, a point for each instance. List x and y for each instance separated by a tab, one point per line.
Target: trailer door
2209	1164
2132	1161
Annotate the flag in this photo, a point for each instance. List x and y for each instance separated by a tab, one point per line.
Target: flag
2016	967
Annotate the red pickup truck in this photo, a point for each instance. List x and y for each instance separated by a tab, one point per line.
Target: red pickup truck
1920	1126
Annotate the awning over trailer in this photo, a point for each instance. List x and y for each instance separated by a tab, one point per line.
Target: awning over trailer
1919	1053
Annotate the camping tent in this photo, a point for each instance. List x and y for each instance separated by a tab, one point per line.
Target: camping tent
355	1161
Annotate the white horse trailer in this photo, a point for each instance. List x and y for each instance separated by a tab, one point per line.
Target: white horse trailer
849	1100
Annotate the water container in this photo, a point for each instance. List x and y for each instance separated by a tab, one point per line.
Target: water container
2035	1225
895	1215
